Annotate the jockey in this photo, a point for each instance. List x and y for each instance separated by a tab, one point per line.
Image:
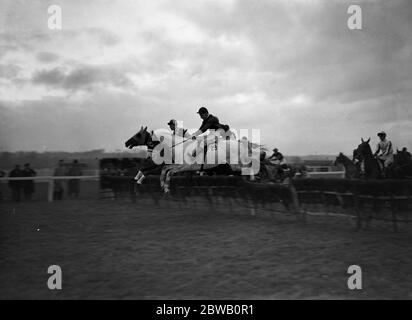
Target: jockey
176	130
277	158
210	122
384	151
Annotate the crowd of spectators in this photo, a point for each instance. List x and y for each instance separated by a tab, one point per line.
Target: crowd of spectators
25	188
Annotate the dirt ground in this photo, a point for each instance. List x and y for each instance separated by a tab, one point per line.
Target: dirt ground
119	250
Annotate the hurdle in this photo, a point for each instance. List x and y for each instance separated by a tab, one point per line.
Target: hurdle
50	180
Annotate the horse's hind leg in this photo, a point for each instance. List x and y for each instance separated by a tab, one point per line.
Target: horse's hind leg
166	186
169	173
163	176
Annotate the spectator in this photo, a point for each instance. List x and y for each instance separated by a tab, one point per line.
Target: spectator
58	184
28	185
16	186
74	184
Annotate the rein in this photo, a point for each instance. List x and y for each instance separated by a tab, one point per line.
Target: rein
176	144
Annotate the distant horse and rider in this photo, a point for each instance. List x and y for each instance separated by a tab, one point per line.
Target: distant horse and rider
276	168
381	164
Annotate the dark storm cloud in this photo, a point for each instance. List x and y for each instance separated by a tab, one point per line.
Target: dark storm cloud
345	66
308	47
53	77
84	77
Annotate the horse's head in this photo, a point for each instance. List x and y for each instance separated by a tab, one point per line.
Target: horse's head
363	150
141	138
402	157
340	159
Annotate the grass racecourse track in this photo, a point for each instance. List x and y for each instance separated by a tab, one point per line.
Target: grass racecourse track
114	249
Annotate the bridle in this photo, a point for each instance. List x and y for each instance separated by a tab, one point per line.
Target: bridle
150	144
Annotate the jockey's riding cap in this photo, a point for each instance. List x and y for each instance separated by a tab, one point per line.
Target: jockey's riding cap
382	133
173	121
203	110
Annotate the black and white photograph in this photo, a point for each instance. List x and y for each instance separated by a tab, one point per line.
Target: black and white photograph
205	154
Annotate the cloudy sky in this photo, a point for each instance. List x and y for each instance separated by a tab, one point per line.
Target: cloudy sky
292	69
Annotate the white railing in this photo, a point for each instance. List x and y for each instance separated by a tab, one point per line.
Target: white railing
50	180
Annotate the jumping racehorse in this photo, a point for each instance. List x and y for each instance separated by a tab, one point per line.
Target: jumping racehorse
221	151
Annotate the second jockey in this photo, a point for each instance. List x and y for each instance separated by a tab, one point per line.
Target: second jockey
210	122
384	152
176	130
